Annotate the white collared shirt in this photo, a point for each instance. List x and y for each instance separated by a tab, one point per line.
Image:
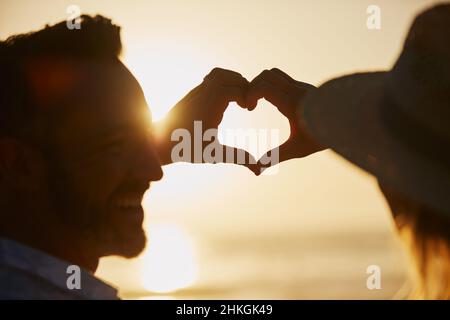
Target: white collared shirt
27	273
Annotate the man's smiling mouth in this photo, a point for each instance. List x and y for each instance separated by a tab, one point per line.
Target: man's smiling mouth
129	201
129	206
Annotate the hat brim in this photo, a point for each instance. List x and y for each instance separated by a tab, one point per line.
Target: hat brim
345	115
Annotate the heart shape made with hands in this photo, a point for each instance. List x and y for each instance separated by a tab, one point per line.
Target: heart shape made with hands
255	131
203	111
271	146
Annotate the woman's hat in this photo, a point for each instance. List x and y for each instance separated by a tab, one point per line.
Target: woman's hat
396	124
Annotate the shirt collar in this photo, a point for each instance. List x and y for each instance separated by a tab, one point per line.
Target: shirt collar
52	270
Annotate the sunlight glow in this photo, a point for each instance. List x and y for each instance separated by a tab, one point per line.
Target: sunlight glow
169	261
155	66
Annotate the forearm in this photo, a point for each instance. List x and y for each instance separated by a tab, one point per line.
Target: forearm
307	143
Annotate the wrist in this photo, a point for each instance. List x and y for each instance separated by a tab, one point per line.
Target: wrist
307	140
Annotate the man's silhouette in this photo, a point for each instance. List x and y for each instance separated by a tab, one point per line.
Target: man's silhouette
77	154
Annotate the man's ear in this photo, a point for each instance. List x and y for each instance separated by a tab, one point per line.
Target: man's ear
20	165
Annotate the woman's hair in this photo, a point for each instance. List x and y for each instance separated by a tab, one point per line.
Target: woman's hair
426	233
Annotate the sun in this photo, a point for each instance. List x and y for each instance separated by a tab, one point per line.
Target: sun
166	72
169	261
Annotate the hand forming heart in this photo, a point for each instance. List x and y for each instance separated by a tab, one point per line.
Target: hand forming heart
208	101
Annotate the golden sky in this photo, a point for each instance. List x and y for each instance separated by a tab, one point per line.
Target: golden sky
170	46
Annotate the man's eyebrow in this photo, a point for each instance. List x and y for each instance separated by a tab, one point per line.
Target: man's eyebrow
103	132
118	129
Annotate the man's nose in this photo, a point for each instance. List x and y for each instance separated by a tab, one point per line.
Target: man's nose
146	162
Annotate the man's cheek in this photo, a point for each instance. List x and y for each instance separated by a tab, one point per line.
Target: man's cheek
101	179
93	194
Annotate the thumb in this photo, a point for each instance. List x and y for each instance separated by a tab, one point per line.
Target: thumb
276	156
240	157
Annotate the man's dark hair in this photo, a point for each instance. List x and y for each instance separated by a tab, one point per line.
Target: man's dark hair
97	38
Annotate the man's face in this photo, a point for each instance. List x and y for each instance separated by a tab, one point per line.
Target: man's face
103	159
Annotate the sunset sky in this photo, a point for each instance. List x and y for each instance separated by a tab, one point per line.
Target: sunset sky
219	226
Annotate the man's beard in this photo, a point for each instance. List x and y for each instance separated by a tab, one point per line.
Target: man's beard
93	226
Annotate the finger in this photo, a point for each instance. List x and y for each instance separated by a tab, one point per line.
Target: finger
221	96
282	74
274	157
272	93
288	84
300	84
283	82
274	79
226	154
228	86
291	149
217	71
241	157
220	76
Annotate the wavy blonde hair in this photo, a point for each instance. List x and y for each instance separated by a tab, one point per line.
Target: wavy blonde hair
426	234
